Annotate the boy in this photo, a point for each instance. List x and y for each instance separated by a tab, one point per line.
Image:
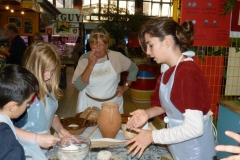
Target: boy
17	89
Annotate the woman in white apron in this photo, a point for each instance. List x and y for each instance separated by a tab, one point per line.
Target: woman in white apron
182	93
98	74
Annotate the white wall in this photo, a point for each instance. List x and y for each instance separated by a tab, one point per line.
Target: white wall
233	73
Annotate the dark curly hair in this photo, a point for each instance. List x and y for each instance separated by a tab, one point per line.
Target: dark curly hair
160	27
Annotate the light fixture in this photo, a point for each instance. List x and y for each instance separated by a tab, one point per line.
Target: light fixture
7	7
12	10
22	12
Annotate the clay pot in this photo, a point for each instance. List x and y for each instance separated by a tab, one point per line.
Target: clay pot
109	120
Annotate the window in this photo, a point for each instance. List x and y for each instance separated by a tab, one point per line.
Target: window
68	4
93	9
161	8
62	3
59	3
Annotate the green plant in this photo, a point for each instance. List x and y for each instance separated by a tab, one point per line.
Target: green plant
120	24
228	6
235	42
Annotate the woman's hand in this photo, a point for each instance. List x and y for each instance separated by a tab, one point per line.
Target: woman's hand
138	119
92	59
229	148
140	142
46	140
121	89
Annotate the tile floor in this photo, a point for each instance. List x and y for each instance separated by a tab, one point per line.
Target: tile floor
67	104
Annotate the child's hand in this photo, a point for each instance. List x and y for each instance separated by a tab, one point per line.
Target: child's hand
46	140
140	142
66	137
138	119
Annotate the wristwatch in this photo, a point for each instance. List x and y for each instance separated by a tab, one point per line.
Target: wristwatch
126	84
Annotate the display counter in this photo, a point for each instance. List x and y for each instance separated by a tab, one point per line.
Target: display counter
228	120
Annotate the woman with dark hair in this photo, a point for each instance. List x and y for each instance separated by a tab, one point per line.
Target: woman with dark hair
181	93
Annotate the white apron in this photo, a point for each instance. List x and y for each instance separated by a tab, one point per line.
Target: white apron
33	150
200	148
103	83
165	67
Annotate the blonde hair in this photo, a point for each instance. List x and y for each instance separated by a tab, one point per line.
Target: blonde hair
37	59
99	34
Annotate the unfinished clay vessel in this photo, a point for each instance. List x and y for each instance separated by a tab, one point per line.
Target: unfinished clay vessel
109	120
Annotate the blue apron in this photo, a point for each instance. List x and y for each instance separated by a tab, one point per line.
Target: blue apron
40	117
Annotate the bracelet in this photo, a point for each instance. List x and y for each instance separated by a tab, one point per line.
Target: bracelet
36	137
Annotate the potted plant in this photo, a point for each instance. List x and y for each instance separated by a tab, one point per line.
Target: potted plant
120	24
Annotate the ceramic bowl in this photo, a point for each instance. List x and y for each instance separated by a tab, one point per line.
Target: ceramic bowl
75	124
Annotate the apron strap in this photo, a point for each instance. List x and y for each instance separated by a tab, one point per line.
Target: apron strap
102	100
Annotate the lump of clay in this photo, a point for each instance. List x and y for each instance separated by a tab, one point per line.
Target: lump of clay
104	155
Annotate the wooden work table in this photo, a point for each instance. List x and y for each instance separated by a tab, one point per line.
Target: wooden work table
116	147
232	105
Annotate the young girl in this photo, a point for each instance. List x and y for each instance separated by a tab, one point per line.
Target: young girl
43	61
181	92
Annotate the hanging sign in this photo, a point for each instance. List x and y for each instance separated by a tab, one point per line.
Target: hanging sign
68	22
29	4
69	15
71	32
211	27
49	31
